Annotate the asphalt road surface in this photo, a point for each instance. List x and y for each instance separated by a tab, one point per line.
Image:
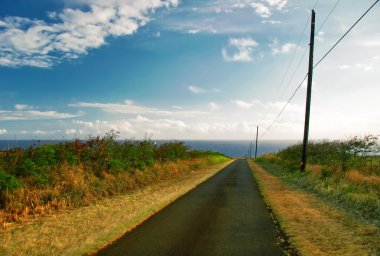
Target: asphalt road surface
223	216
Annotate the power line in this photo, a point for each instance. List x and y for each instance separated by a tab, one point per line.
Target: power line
292	59
294	73
289	64
328	52
287	103
294	54
315	4
297	47
345	34
328	16
303	55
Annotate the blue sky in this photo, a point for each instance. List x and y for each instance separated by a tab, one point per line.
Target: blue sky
184	69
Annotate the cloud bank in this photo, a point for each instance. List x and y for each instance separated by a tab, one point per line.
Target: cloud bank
241	48
71	32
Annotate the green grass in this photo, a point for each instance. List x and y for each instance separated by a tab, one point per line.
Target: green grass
40	180
353	192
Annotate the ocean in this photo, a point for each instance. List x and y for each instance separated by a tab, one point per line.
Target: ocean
232	148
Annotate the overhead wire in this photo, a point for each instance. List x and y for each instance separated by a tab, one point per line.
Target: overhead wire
324	56
296	49
345	34
282	110
327	17
304	53
295	71
292	59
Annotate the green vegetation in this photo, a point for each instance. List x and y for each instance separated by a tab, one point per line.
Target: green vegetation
50	177
345	173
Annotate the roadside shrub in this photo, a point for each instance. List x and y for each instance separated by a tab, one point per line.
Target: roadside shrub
172	151
44	155
70	174
8	181
337	171
145	154
338	155
27	167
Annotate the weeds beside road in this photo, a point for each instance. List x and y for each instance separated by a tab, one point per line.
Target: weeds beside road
333	208
40	181
84	230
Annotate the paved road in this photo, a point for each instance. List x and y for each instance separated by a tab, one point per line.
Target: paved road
223	216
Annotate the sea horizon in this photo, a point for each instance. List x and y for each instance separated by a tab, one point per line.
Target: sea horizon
231	148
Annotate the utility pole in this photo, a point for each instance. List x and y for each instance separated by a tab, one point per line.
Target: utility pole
250	151
257	137
308	94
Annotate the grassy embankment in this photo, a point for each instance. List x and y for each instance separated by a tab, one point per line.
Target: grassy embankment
72	198
334	207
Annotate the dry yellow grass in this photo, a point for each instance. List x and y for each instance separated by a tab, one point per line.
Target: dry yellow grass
313	227
86	229
359	178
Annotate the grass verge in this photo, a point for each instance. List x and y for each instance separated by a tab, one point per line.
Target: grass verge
86	229
314	226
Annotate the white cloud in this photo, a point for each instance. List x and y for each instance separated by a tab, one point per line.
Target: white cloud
71	131
277	49
34	115
158	124
99	127
193	31
374	41
223	129
129	107
320	36
3	131
27	42
242	49
139	126
196	90
278	4
213	106
41	132
242	104
364	67
271	22
23	107
264	8
344	67
83	123
261	10
359	66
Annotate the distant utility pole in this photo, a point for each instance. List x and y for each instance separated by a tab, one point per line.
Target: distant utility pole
250	151
308	94
257	138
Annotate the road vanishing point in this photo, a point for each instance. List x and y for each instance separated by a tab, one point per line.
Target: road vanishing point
225	215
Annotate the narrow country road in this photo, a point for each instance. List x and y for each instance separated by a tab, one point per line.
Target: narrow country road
223	216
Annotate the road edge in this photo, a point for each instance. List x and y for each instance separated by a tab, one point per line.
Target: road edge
283	239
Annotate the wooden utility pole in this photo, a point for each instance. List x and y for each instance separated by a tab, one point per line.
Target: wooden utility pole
308	94
250	151
257	137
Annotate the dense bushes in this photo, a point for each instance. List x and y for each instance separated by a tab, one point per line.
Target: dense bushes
355	153
97	155
53	176
346	173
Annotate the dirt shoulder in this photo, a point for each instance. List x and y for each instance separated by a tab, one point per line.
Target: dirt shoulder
86	229
314	227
